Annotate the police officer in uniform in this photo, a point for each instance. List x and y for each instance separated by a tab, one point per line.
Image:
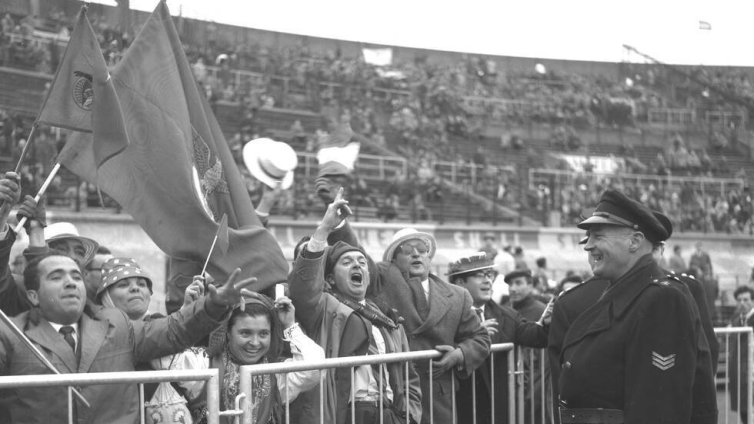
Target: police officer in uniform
634	355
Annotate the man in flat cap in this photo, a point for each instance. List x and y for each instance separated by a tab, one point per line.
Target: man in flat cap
504	325
634	355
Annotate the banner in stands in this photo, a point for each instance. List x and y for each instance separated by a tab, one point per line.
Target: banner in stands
600	164
378	57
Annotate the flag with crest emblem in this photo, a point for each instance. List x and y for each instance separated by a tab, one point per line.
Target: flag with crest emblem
177	176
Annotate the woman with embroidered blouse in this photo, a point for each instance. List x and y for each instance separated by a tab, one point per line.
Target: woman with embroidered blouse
254	334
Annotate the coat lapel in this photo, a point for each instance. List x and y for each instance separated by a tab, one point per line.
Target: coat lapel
594	320
92	336
614	302
438	305
41	332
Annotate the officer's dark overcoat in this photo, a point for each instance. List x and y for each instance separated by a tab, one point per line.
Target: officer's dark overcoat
639	349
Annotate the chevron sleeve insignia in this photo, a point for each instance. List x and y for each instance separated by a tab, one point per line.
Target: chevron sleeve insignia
663	362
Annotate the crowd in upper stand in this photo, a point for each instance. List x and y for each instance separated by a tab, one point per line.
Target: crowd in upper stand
427	112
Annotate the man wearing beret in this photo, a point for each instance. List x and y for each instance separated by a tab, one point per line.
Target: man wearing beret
504	325
329	288
437	315
634	355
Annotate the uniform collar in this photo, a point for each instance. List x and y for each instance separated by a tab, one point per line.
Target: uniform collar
625	289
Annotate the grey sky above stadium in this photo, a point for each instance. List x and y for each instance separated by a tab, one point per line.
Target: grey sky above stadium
673	31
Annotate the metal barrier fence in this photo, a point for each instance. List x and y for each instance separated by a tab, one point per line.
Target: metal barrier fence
528	402
72	381
737	379
355	361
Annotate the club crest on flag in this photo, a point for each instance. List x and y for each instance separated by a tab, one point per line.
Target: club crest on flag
208	176
83	93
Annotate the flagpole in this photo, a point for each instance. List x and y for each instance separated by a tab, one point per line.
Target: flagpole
25	150
17	331
40	194
204	269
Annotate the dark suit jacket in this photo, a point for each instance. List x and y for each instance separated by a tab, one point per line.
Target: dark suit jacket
512	328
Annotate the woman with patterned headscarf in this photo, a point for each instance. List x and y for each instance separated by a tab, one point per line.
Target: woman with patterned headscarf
255	334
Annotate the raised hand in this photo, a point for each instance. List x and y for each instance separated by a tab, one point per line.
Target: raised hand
286	311
491	326
10	192
194	291
232	291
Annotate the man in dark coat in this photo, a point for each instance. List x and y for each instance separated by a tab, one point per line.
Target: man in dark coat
738	352
567	308
635	355
504	325
537	383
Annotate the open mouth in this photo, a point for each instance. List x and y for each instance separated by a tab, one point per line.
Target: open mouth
357	278
417	263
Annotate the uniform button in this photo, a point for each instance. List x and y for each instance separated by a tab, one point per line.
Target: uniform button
413	336
567	365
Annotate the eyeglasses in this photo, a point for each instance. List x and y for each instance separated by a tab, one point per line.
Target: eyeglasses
92	268
408	249
491	274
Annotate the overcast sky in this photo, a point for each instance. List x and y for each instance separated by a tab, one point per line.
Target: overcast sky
583	30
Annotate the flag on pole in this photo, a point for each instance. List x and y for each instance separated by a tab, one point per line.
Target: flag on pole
176	176
82	77
69	101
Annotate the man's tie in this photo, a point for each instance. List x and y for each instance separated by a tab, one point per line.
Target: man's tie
480	314
67	332
420	298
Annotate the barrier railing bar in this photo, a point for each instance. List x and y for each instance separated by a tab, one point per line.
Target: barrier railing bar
103	378
142	401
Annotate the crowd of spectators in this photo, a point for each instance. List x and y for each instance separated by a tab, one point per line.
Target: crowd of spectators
424	111
37	43
690	207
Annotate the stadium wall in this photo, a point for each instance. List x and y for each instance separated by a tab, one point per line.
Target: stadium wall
731	255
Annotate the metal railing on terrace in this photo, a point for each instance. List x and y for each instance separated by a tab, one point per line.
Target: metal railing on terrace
369	166
556	179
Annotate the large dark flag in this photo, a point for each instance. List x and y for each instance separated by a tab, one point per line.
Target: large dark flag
176	176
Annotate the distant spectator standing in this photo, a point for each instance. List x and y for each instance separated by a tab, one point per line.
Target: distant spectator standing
676	262
489	245
519	260
701	260
504	264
